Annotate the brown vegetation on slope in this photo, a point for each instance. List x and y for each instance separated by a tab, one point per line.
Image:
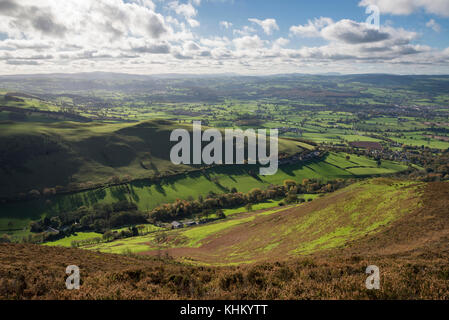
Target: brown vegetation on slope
412	255
37	272
424	231
331	222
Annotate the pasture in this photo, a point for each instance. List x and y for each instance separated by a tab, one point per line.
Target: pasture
330	222
147	195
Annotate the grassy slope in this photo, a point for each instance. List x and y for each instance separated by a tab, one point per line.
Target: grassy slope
148	195
47	155
36	155
411	252
327	223
66	242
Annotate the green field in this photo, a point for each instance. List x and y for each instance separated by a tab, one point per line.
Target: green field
79	236
67	241
123	153
329	222
148	195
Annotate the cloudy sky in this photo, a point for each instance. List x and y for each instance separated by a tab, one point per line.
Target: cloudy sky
223	36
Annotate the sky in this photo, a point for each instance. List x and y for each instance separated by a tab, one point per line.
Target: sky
248	37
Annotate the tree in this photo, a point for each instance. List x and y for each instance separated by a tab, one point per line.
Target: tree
291	198
220	214
36	226
288	184
108	235
55	222
5	238
141	228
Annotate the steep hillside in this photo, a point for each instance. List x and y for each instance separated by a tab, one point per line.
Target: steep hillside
67	154
400	227
81	155
380	215
38	272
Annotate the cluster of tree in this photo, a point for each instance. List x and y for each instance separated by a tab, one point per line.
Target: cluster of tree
43	237
4	238
45	223
72	187
436	167
99	218
111	235
181	209
86	242
185	208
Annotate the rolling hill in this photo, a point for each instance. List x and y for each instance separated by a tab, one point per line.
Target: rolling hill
362	213
81	155
319	250
148	194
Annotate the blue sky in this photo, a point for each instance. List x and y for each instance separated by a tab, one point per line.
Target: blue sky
294	12
221	36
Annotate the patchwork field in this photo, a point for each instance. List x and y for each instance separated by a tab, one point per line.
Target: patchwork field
88	155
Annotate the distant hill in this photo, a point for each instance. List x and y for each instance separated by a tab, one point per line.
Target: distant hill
216	87
81	155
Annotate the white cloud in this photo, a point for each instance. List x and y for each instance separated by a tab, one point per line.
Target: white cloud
92	21
268	25
130	36
245	31
406	7
312	28
352	32
248	42
225	24
281	42
184	9
216	42
193	23
434	25
187	10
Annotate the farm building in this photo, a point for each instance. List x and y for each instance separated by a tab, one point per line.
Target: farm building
52	230
176	225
